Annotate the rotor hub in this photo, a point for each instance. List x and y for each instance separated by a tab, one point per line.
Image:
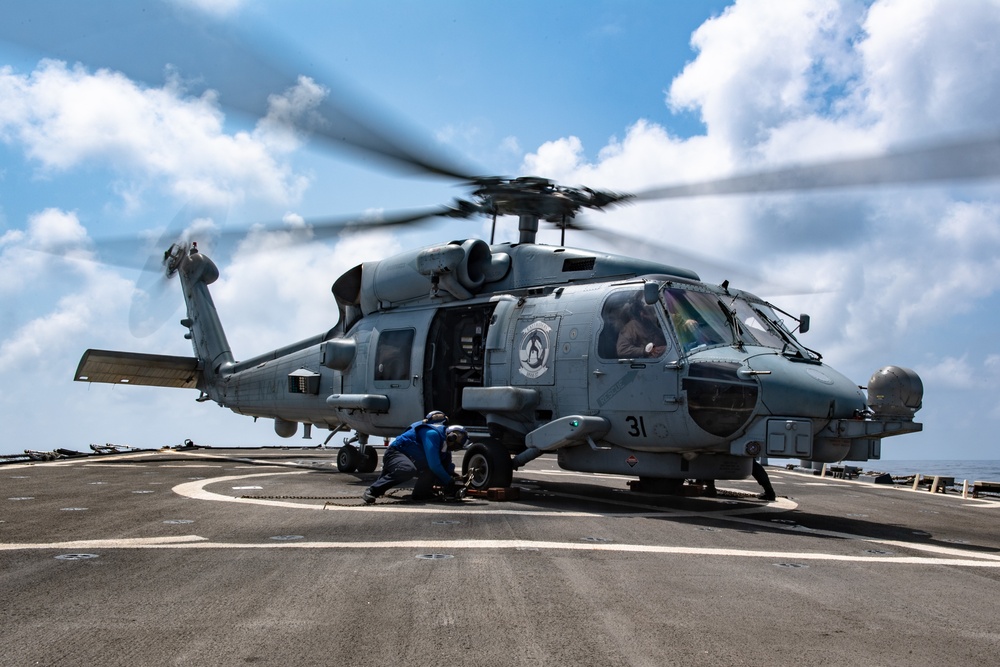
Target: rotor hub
538	197
532	199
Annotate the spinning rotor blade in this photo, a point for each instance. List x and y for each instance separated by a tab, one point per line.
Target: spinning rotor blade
148	41
133	252
971	159
687	258
328	228
152	305
137	253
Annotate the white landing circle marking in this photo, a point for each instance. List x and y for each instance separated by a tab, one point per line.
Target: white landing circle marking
196	490
945	555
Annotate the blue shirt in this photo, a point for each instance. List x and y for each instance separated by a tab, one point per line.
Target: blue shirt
424	444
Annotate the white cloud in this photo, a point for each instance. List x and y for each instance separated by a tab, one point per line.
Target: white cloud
561	156
26	347
932	64
53	228
762	64
29	256
83	292
292	109
66	117
960	373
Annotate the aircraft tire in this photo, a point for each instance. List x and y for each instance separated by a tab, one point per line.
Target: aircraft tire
492	464
348	458
369	461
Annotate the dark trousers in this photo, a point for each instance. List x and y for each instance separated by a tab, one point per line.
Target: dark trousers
397	468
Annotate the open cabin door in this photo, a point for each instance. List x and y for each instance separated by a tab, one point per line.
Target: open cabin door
455	358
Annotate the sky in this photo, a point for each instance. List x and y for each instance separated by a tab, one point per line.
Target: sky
112	126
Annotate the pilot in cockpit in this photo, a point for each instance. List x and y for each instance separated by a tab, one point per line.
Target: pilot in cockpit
641	336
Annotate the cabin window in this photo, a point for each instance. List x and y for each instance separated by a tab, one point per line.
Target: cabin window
392	356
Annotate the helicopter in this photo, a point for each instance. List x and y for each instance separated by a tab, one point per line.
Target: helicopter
522	343
519	341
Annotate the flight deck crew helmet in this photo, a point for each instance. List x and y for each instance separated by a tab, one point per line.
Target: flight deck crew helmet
436	417
456	437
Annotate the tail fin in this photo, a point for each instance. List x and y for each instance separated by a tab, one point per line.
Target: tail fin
213	358
197	272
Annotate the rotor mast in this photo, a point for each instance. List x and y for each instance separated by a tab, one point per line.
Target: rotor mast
527	227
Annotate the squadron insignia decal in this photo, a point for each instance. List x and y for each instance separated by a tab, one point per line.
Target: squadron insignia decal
534	350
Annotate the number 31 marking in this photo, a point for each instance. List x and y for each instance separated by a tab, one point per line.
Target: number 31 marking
636	426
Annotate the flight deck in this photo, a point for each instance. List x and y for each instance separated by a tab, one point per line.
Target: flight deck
268	556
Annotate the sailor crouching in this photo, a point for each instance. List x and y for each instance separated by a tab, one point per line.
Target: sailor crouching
422	451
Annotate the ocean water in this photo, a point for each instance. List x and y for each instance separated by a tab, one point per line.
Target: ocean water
985	471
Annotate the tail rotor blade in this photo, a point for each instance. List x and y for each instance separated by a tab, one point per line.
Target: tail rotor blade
152	304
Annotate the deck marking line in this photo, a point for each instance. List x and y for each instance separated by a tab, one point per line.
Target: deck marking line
444	545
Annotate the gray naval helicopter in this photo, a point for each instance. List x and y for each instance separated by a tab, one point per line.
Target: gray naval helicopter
614	364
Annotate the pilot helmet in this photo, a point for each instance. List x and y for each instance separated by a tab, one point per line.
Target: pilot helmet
436	417
456	437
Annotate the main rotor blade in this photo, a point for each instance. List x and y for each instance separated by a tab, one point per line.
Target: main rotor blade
135	252
328	228
970	159
142	250
148	41
725	269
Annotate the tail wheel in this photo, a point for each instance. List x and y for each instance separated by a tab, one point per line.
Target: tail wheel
348	458
369	461
490	465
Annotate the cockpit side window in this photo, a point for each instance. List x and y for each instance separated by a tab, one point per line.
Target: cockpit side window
631	329
612	321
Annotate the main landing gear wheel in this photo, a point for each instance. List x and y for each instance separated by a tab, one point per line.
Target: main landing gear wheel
348	458
491	465
369	461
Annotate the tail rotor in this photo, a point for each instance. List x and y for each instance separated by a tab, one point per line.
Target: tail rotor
152	305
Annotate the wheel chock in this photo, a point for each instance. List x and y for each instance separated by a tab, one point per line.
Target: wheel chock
496	493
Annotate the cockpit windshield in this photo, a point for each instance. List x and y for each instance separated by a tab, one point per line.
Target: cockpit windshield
759	321
702	319
697	318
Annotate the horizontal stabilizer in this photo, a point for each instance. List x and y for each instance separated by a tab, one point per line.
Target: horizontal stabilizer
154	370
